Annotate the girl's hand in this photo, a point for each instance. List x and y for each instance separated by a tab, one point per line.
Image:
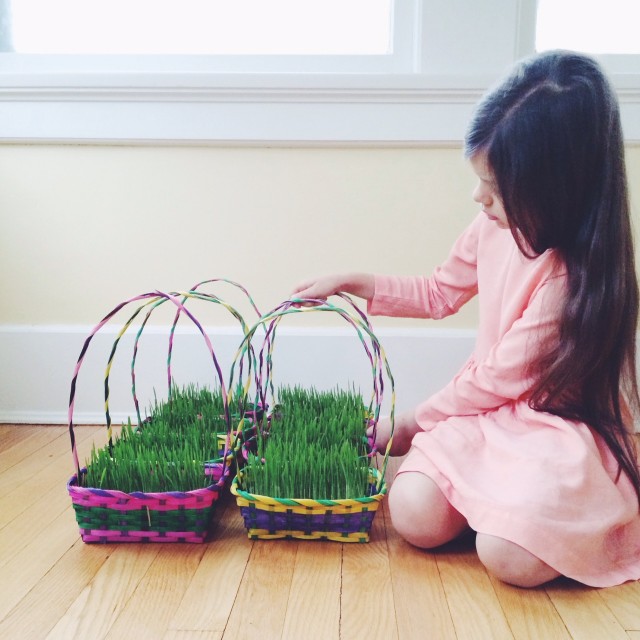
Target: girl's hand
404	429
361	285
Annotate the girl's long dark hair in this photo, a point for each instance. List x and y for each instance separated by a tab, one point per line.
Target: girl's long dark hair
552	137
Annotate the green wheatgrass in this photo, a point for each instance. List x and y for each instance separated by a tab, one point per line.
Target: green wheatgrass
315	447
167	453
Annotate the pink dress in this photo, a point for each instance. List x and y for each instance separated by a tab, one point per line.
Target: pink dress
543	482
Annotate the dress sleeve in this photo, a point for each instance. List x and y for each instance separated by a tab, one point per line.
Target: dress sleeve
452	284
501	376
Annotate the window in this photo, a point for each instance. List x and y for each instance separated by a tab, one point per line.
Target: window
414	77
224	36
606	30
202	27
591	26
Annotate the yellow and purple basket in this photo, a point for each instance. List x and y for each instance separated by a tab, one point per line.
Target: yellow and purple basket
348	520
110	515
341	520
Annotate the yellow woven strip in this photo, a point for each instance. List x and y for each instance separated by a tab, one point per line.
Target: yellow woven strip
276	507
307	505
265	534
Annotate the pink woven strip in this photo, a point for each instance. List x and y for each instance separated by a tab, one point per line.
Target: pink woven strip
138	505
200	499
98	535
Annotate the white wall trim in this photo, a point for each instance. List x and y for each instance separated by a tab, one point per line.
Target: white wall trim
254	114
38	362
234	115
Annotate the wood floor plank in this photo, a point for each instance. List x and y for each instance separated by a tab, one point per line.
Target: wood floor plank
52	585
182	634
420	602
41	608
28	526
219	575
23	571
11	434
26	490
530	613
474	605
624	603
147	613
33	462
261	603
313	610
584	613
44	507
31	448
367	589
102	601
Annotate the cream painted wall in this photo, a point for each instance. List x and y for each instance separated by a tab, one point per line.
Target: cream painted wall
84	227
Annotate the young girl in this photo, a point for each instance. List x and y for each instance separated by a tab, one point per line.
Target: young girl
531	445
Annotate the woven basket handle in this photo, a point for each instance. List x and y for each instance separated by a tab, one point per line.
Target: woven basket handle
153	298
363	329
232	283
310	304
185	296
213	298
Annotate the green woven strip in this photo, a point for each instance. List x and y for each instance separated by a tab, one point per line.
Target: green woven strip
94	518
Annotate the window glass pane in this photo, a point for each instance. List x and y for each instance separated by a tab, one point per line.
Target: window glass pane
591	26
199	27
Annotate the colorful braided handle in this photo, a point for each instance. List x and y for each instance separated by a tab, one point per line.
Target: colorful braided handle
264	368
152	299
191	294
211	298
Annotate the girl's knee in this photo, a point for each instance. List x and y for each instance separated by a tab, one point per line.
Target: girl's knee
511	563
421	514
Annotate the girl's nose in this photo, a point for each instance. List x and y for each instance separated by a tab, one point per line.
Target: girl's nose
481	196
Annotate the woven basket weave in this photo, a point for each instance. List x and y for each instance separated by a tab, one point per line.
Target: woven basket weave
110	515
267	518
342	520
114	516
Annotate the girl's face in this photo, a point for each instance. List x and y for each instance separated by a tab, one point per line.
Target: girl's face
486	192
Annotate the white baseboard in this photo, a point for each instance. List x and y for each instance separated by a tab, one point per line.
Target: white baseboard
37	364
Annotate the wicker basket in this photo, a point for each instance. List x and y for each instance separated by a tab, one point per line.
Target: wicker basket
113	516
342	520
110	515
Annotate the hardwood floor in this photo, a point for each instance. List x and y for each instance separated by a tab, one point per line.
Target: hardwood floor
52	585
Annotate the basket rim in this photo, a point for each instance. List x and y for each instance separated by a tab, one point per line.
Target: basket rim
74	488
381	491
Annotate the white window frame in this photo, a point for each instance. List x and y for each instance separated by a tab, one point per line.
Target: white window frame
423	95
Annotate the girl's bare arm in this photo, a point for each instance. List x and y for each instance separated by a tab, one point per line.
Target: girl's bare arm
361	285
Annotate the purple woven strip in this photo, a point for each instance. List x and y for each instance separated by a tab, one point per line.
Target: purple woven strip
288	521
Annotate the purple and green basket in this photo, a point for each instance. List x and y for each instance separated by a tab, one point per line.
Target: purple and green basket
110	515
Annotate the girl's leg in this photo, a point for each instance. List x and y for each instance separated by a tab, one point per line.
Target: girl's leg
511	563
425	518
420	513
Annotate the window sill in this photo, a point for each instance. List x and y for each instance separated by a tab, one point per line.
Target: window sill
284	109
